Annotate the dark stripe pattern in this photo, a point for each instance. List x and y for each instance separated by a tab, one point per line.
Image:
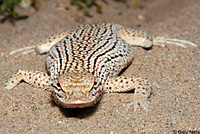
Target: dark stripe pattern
94	48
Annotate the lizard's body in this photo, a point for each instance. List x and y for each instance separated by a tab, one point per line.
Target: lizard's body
85	63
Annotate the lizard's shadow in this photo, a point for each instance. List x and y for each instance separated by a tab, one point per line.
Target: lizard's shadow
76	112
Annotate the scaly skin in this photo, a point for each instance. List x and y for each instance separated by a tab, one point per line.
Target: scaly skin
85	63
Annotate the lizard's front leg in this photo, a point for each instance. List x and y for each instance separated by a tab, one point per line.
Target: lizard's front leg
44	46
140	86
34	78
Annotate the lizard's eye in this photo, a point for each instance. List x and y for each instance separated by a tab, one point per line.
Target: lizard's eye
95	83
58	84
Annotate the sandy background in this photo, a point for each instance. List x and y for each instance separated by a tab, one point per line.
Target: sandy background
173	71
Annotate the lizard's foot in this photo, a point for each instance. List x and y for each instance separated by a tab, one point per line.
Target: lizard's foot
142	93
42	47
141	87
145	40
35	78
25	50
160	41
13	80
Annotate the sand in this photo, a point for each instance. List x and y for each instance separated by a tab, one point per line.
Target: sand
174	72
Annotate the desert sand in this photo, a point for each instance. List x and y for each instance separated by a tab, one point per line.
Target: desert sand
173	71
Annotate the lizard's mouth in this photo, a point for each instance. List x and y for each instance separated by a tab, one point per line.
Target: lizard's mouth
75	102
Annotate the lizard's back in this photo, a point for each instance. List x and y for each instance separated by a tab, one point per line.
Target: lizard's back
94	48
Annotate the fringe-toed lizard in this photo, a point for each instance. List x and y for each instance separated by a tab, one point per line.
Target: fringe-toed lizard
85	63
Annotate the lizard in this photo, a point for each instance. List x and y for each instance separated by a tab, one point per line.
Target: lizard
84	64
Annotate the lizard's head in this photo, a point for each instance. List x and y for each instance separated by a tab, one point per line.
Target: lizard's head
77	90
